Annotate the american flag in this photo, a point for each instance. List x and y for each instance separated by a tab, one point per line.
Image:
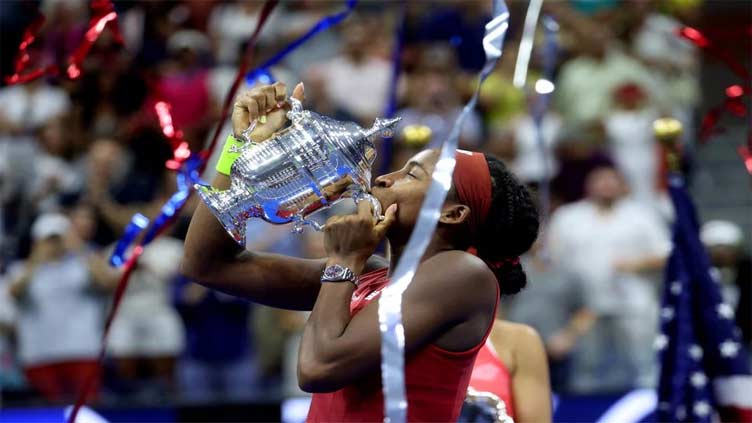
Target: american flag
704	366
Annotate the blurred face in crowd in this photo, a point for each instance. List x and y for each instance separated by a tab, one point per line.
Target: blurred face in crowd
724	255
105	158
83	222
605	186
53	139
356	41
51	247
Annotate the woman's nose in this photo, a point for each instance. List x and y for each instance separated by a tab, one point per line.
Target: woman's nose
384	181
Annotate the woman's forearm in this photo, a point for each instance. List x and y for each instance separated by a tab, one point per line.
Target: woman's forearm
207	243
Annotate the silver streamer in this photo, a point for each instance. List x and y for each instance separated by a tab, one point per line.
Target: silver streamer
390	303
312	164
526	43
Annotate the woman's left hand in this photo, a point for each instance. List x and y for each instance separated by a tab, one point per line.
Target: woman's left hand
351	239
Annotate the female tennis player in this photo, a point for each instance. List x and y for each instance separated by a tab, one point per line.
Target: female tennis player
487	221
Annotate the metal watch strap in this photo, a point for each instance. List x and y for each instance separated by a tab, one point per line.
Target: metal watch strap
337	273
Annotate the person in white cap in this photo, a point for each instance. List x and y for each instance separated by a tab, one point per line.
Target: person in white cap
732	267
60	312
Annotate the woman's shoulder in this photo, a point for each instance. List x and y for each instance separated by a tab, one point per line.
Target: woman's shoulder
512	340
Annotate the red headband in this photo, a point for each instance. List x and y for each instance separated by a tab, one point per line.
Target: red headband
472	181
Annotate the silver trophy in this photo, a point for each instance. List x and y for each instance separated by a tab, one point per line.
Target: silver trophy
313	163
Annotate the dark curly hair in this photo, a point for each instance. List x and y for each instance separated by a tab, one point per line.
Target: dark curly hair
510	229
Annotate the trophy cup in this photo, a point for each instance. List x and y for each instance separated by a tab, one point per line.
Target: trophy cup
313	163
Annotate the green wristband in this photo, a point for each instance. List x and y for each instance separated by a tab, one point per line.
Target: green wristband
230	152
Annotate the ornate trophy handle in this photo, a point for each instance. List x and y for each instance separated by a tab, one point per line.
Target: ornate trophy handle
358	195
296	112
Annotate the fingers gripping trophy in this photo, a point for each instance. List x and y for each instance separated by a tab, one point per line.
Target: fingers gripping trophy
312	163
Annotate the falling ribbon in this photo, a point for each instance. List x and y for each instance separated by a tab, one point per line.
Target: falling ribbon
540	106
526	43
138	223
733	103
390	303
103	13
23	58
263	74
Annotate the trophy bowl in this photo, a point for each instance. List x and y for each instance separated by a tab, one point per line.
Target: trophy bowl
310	165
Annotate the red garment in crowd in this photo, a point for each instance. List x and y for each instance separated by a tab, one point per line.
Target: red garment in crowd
491	375
436	379
63	380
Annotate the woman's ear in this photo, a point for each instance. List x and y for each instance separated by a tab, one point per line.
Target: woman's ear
454	214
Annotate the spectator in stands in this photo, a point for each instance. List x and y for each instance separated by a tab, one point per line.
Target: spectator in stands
10	377
54	173
147	336
218	358
613	245
555	305
433	99
585	82
357	81
629	130
58	297
732	267
579	151
183	82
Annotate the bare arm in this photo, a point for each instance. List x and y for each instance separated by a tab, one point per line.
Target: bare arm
213	259
449	303
531	388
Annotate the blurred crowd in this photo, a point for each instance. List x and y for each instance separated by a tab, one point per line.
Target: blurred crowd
79	158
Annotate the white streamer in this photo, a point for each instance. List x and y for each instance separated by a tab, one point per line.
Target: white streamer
526	43
390	303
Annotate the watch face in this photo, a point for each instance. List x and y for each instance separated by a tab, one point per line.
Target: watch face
333	272
337	273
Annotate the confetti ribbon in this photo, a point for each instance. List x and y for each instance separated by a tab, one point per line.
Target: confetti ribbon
23	58
544	87
733	103
189	166
390	303
103	13
138	223
263	74
526	43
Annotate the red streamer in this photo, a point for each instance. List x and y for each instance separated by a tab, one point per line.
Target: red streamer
103	13
734	101
745	153
23	58
180	148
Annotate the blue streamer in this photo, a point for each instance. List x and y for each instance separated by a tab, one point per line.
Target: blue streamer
188	175
263	74
138	223
387	145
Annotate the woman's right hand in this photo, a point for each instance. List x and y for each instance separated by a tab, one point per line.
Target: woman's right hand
268	105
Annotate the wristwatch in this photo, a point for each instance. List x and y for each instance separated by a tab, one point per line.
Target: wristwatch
337	273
